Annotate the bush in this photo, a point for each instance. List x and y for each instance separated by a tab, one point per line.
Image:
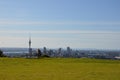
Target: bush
46	56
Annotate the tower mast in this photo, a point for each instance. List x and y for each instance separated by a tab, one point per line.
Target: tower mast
30	49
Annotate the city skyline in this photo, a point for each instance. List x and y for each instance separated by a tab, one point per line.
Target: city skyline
60	23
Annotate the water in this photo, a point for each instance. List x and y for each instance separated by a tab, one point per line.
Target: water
14	50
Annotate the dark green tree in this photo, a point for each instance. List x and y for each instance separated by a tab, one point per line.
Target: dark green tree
1	54
39	53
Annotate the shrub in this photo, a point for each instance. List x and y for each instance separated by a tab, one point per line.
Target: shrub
46	56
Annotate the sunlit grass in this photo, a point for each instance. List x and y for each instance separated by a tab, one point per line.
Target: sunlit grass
59	69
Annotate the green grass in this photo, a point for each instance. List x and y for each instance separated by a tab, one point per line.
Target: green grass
59	69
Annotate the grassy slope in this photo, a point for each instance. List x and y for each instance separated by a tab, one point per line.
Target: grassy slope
59	69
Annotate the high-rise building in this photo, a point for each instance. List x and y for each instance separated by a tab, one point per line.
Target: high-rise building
44	51
68	50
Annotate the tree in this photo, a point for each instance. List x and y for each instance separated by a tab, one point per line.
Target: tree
1	54
39	53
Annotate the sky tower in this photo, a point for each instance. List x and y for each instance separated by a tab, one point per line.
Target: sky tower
30	49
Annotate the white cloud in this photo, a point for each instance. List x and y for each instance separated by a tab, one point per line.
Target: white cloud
22	22
56	32
85	41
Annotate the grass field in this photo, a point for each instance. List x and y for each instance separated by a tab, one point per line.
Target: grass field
59	69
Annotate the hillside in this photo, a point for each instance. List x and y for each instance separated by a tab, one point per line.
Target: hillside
59	69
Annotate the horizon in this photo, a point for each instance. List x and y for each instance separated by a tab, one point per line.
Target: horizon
64	48
82	24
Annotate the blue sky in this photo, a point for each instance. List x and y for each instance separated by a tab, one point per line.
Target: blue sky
60	23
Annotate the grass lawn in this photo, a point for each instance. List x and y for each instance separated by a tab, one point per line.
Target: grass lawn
59	69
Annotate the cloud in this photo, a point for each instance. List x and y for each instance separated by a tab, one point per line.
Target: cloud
21	22
57	32
85	41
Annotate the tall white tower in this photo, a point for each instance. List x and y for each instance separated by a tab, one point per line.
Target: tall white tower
30	49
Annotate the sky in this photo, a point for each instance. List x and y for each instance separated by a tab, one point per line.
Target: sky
80	24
